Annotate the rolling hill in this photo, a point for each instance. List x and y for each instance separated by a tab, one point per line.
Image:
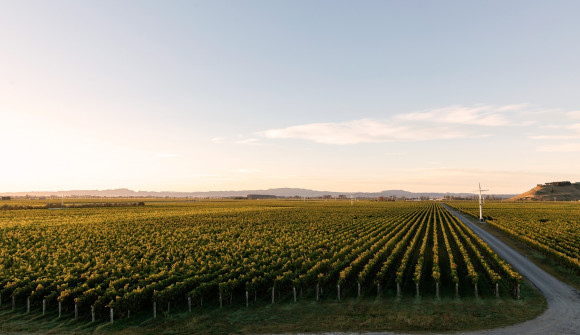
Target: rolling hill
554	191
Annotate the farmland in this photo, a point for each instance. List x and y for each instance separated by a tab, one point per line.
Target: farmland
552	228
164	256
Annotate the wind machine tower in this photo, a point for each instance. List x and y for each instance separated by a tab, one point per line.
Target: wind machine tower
481	220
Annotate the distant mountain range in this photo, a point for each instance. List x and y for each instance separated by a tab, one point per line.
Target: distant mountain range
279	192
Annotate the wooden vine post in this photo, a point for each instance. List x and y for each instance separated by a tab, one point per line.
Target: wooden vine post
317	292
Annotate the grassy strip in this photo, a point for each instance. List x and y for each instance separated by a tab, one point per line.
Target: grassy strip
368	314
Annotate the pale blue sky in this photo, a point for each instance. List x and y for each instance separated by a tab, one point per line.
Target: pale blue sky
330	95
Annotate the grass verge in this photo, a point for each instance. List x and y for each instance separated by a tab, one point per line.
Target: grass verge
356	315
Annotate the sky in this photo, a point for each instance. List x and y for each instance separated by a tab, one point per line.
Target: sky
425	96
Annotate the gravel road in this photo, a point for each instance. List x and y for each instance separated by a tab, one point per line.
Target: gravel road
563	313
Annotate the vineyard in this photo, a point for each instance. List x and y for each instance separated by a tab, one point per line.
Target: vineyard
116	261
552	228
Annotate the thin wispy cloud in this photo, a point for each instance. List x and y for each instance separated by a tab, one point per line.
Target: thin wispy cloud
513	107
568	132
249	141
433	124
240	140
362	131
556	137
480	115
192	176
564	130
561	147
166	155
246	171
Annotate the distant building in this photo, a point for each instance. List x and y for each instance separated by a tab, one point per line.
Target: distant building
6	198
261	196
559	183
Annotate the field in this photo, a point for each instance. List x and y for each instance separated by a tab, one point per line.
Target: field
164	257
552	228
